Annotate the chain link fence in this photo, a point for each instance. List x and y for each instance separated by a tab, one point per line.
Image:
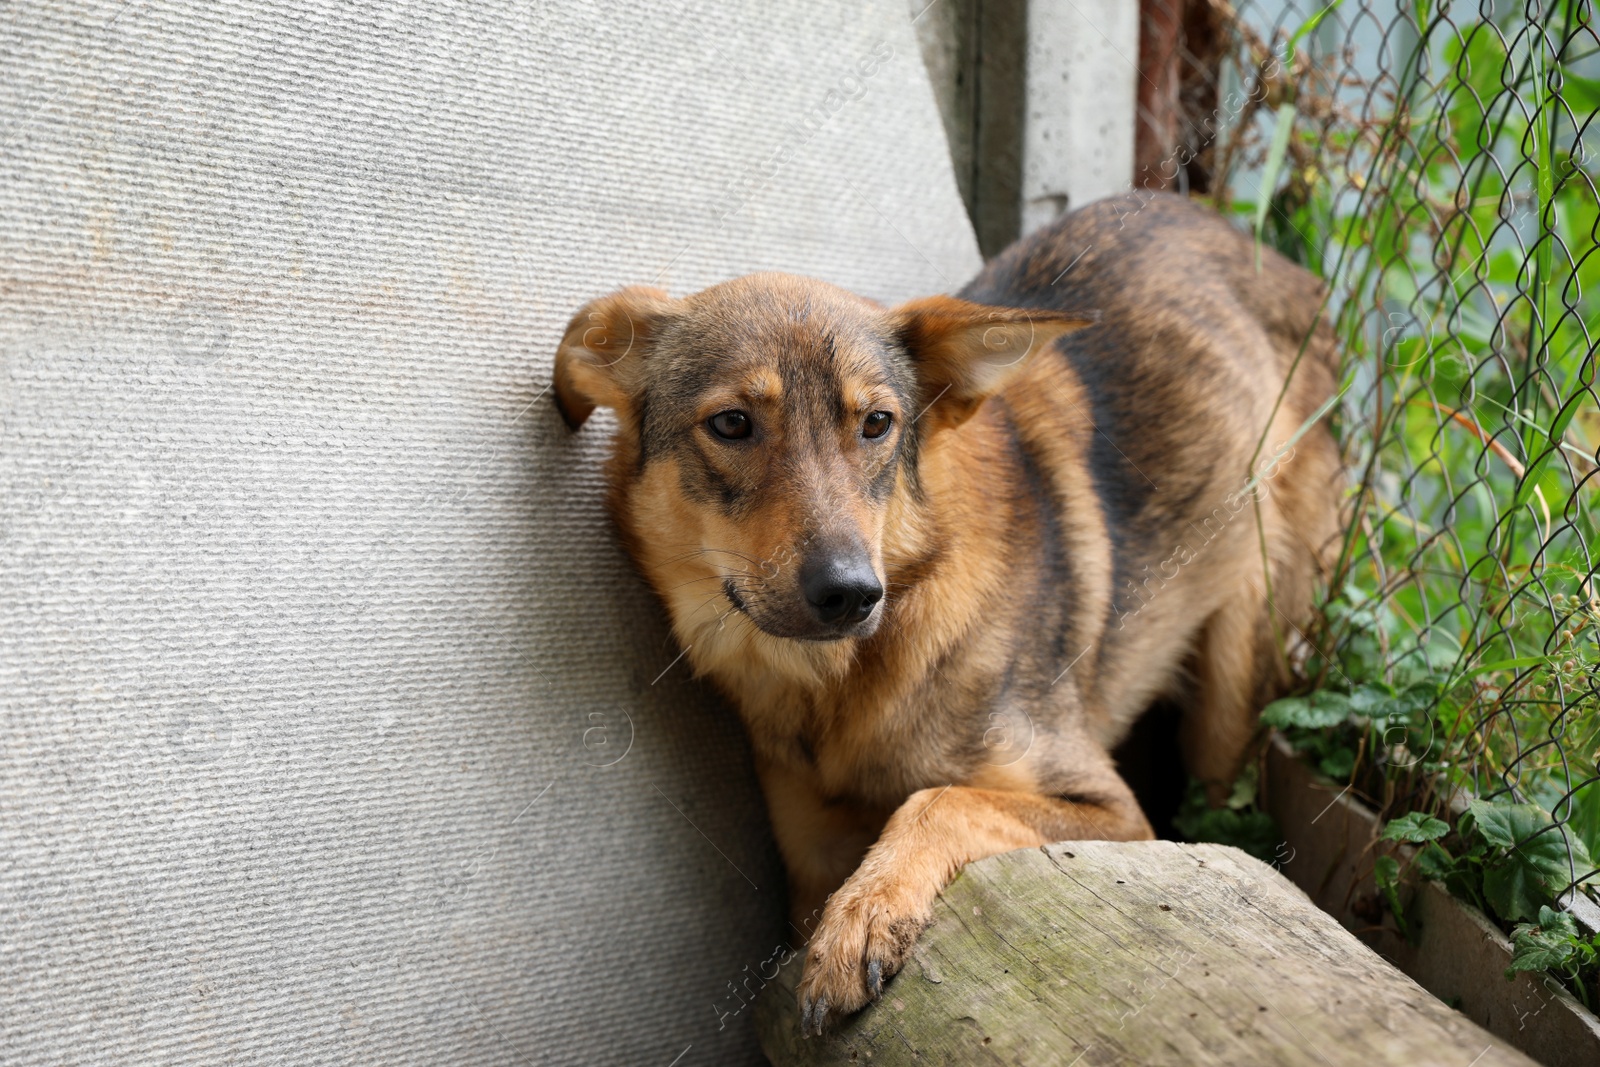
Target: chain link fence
1435	163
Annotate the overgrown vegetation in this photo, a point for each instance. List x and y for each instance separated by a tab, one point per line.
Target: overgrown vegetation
1445	189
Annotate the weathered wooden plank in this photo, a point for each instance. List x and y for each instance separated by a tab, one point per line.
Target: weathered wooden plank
1099	953
1457	954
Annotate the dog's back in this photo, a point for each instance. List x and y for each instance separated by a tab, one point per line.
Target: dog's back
1183	383
1189	302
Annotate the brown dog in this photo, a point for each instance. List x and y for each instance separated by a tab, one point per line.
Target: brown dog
942	556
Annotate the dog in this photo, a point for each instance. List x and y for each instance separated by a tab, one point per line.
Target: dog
942	556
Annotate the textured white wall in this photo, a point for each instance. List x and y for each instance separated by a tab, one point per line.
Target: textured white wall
334	728
1082	91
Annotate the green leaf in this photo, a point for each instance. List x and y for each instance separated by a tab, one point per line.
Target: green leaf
1560	857
1526	828
1585	820
1244	789
1534	949
1554	943
1290	711
1415	827
1514	890
1505	823
1539	860
1377	701
1369	698
1435	863
1314	712
1269	172
1386	872
1509	665
1558	922
1308	26
1338	764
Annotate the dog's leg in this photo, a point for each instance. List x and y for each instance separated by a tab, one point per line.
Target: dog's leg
1239	665
870	924
821	841
1217	727
1241	661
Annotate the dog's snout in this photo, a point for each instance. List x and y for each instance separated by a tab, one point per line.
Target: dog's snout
841	589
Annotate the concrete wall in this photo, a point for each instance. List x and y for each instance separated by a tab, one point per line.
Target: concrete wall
1081	86
1037	99
334	728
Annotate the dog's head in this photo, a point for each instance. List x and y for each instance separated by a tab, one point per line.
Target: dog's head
766	428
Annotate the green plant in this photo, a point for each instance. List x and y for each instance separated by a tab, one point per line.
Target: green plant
1555	944
1447	195
1239	822
1510	859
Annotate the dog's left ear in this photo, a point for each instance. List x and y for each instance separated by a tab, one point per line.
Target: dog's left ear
602	355
965	352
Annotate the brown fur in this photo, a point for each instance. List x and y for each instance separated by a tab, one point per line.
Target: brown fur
1069	524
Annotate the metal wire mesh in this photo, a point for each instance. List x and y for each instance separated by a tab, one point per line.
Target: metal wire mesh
1434	162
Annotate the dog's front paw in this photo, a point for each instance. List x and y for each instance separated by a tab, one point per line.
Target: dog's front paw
865	935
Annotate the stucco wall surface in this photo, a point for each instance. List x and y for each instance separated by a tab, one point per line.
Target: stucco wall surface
334	727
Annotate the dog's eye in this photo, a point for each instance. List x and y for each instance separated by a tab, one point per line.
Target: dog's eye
730	425
877	424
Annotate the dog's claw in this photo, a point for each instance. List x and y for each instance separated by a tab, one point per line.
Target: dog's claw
813	1013
875	977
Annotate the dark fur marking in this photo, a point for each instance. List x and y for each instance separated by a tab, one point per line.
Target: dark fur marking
1049	601
1125	371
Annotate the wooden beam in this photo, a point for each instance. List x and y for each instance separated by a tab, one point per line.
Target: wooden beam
1454	952
1158	114
1092	952
1181	46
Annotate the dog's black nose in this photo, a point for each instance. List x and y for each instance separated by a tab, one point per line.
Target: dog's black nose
840	589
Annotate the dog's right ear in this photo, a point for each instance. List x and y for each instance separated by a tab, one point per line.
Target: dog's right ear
965	352
603	352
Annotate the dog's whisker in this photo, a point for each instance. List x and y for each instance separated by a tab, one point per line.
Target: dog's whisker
681	556
707	602
705	578
702	550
